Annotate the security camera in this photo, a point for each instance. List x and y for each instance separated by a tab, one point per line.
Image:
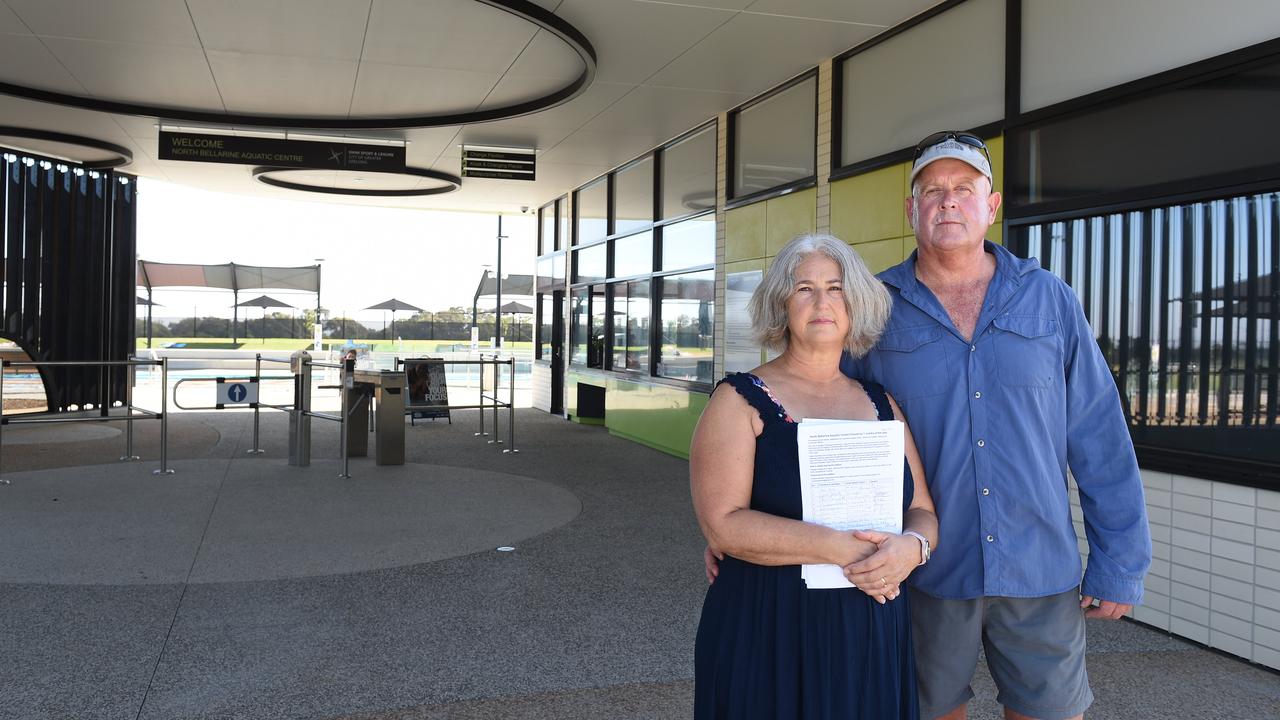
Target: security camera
524	208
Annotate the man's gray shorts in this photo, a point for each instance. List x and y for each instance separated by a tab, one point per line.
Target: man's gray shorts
1034	646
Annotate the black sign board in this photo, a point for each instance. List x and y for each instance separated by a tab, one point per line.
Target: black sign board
498	155
425	378
498	164
278	152
496	174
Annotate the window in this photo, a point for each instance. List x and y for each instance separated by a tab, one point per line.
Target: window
689	243
1214	122
631	326
1180	299
546	314
595	343
633	255
687	314
579	309
590	263
593	211
689	175
614	287
546	273
633	196
547	229
894	74
774	139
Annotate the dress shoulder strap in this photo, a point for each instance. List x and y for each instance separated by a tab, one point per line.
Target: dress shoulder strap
756	393
879	398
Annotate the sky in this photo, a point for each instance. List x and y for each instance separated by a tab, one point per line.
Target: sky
428	258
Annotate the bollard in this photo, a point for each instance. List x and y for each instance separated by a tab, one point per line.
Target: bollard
480	385
511	410
495	440
164	420
128	407
3	364
257	373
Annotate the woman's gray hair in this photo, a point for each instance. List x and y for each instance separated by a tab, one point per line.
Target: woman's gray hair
866	300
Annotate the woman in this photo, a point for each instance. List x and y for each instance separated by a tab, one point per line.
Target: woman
767	646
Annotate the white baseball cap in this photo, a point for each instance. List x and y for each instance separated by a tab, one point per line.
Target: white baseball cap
948	145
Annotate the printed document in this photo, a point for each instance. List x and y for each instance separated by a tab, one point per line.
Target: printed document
850	479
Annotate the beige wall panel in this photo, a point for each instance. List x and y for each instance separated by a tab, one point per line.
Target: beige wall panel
789	216
744	232
880	254
869	206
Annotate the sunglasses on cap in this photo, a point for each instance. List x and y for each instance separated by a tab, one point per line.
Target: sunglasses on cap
969	139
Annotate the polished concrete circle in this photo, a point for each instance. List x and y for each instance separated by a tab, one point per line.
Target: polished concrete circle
216	521
57	433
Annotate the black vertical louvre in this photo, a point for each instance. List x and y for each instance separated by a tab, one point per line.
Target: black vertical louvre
69	256
1187	319
1273	308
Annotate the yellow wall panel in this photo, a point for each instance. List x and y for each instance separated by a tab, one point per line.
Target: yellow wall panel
880	254
744	232
996	147
789	216
869	206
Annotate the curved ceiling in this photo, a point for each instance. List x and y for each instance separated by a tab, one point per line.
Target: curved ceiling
663	67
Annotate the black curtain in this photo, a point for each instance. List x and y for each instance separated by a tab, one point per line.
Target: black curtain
69	261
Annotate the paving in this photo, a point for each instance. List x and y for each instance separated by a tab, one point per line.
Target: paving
241	587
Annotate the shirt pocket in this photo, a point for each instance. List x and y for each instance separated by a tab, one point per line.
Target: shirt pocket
915	362
1027	351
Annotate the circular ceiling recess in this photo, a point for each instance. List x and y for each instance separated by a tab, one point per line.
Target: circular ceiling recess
84	151
366	183
457	42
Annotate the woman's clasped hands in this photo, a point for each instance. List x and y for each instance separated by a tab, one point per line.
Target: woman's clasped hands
881	572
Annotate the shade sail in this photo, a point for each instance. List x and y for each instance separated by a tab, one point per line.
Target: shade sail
511	285
264	302
228	276
515	307
394	305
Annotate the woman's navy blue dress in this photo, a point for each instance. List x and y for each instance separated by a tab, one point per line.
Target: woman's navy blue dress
767	646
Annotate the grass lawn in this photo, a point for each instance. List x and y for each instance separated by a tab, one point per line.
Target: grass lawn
254	344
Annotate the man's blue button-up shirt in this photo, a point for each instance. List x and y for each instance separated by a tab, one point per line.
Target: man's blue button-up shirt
997	420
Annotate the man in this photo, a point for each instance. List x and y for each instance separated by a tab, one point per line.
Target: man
993	363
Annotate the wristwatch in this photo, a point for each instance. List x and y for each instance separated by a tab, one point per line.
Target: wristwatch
924	545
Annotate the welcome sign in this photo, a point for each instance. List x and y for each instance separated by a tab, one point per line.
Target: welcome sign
279	152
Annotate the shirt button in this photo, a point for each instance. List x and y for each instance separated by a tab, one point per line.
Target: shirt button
973	348
982	443
977	395
986	491
991	538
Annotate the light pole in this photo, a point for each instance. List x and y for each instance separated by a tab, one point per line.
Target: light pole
319	320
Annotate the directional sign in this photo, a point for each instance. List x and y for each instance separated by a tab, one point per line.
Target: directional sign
498	163
237	392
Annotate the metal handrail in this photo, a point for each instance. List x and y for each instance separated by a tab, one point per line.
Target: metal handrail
129	416
229	378
494	403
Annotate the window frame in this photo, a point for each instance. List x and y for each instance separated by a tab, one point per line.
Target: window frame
803	183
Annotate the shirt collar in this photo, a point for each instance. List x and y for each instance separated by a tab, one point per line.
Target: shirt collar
1010	267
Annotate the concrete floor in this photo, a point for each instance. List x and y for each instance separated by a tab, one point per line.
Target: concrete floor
241	587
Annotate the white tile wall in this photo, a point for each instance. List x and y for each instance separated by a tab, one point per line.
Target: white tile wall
1215	570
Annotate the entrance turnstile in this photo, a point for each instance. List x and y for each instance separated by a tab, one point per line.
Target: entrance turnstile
386	389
